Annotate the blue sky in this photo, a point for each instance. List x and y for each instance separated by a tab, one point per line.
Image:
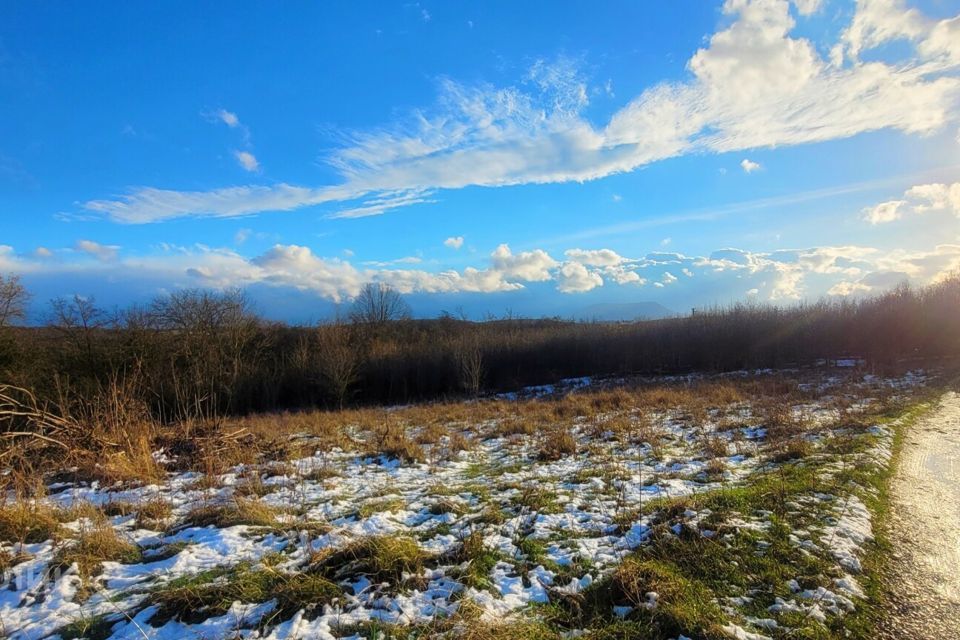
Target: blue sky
535	157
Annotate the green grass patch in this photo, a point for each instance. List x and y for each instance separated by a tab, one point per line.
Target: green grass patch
211	593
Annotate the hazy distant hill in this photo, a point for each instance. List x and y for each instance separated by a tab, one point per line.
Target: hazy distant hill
624	311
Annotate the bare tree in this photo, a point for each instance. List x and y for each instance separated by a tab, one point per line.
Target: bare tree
13	300
379	303
78	319
215	346
339	362
469	357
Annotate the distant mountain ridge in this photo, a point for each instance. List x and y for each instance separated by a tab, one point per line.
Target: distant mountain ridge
625	311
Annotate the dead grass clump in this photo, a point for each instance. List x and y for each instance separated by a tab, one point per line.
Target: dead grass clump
715	469
92	548
380	558
321	473
556	443
720	394
458	441
615	399
571	405
643	430
432	433
788	450
153	513
715	447
779	420
529	630
391	441
672	603
238	512
665	397
28	521
133	463
385	505
517	425
617	426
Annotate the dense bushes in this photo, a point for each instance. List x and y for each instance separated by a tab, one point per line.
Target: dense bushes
197	355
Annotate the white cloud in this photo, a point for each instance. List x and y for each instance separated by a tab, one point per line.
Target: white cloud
783	275
807	7
380	205
754	85
99	251
846	288
228	118
454	242
42	252
877	22
749	166
884	212
575	278
156	205
919	199
595	257
247	160
531	266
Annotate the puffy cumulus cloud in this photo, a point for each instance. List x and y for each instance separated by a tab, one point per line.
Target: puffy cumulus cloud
576	278
749	166
595	257
299	267
876	22
532	266
846	288
103	252
453	242
780	276
919	199
884	212
621	275
755	84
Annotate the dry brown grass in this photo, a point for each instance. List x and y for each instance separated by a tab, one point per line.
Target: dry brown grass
95	545
556	443
390	440
790	449
381	558
28	521
237	512
715	446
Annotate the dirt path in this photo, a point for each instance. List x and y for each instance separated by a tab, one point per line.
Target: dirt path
925	529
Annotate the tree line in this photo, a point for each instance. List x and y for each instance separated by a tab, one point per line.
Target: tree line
202	355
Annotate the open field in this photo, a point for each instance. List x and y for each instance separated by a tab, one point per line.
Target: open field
729	506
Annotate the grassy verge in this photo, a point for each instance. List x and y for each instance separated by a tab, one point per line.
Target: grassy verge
862	624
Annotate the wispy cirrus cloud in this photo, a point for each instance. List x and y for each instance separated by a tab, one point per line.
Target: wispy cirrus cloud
754	85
